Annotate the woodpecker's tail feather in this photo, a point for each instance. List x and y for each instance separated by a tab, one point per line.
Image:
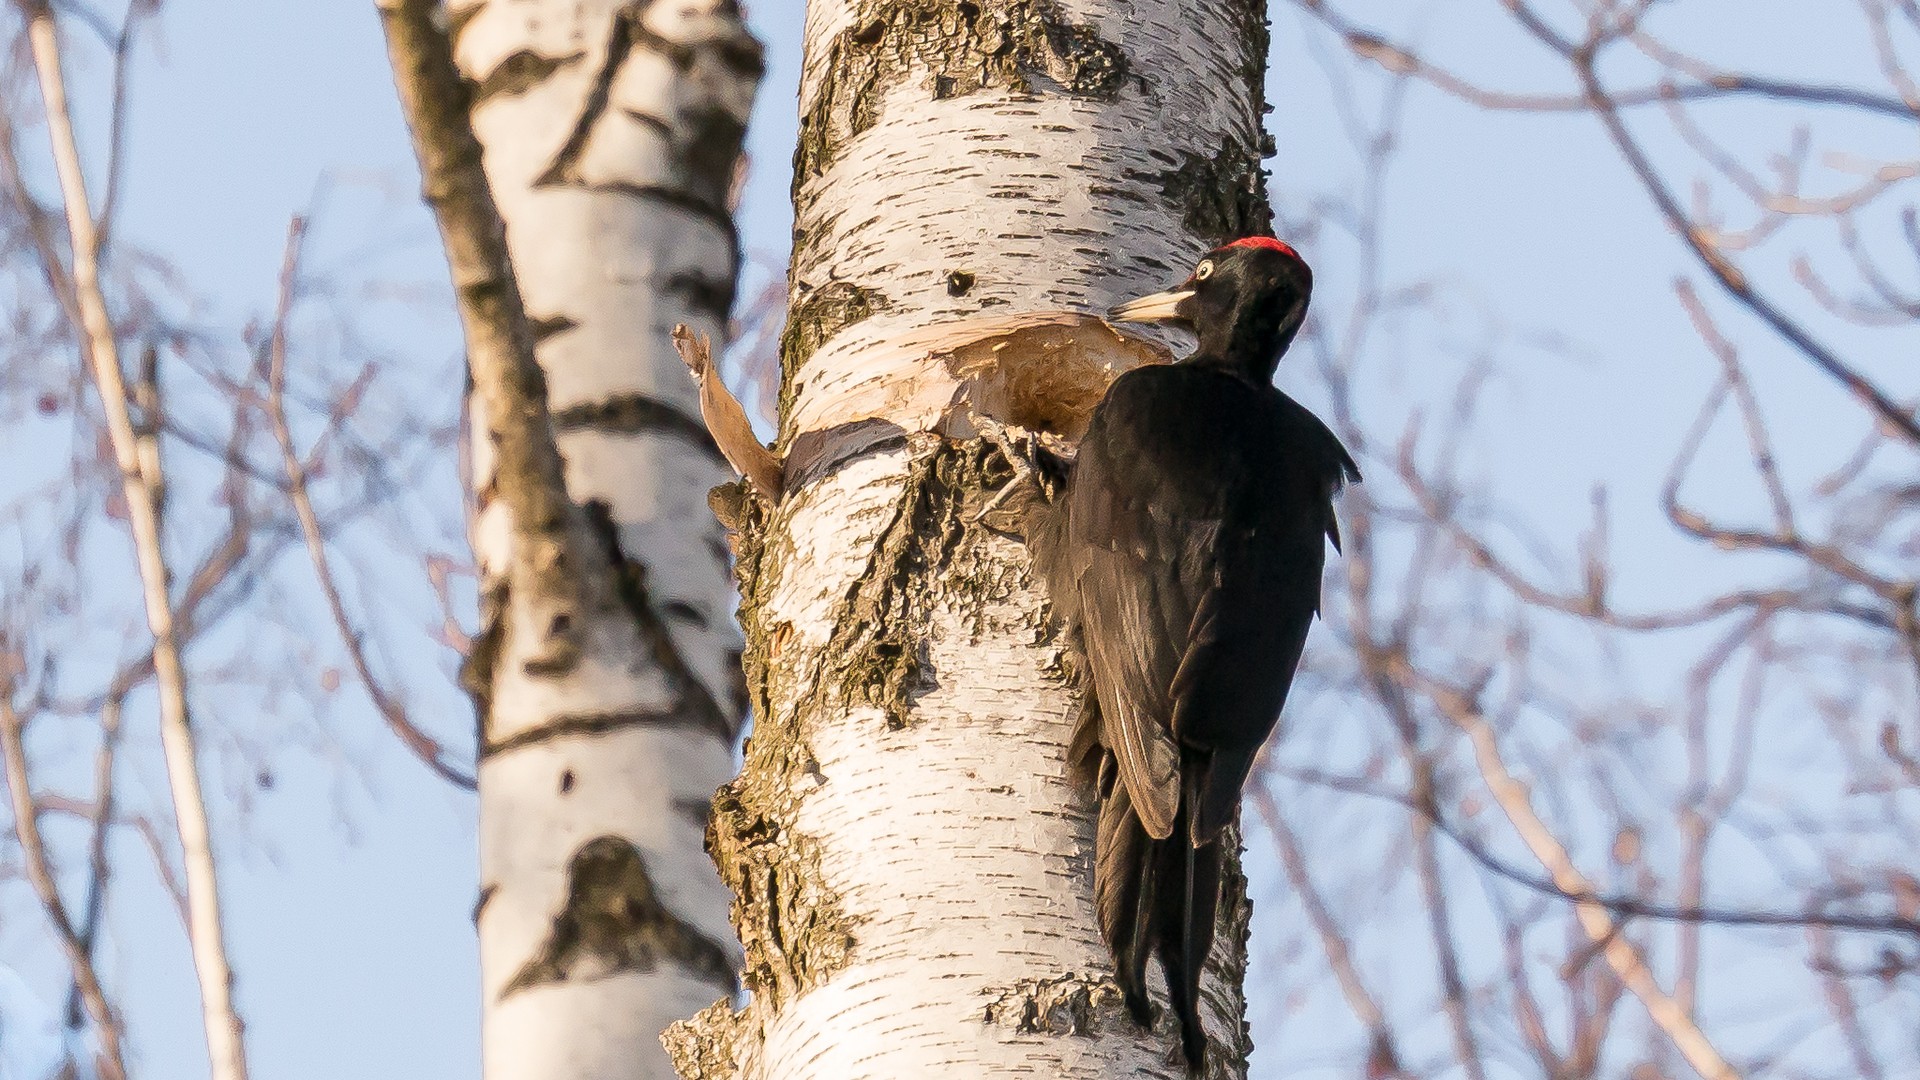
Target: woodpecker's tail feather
1122	893
1087	760
1184	910
1155	897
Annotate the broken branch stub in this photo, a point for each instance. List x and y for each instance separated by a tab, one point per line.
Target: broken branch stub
725	418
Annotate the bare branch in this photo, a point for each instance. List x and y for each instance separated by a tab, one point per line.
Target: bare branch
726	420
223	1026
1600	926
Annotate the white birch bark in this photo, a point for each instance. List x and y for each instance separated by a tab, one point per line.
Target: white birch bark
611	133
912	864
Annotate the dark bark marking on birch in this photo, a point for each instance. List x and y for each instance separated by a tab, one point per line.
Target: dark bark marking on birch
458	20
560	650
813	318
560	170
958	47
793	928
704	140
548	326
476	670
480	902
709	143
1220	198
738	698
706	1046
581	725
659	124
877	647
877	655
1234	924
520	73
707	295
744	58
636	414
745	518
681	611
630	582
613	921
695	812
708	210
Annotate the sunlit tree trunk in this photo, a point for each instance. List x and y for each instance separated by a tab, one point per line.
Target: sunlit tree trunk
612	133
911	863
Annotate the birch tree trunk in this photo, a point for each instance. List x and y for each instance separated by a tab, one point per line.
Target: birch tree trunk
612	132
910	861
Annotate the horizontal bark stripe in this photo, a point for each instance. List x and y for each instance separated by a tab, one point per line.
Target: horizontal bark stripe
636	414
520	73
742	55
680	199
684	717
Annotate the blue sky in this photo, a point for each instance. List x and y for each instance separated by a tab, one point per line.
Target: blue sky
352	940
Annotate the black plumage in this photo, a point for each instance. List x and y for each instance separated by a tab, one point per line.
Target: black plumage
1184	557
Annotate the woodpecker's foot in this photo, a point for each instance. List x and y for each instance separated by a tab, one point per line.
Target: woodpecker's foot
1018	447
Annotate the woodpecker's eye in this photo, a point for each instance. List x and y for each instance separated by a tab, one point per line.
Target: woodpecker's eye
1203	271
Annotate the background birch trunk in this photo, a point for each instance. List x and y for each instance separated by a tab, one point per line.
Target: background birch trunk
911	864
612	133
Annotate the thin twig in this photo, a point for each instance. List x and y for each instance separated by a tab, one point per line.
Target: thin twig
33	849
423	746
1710	83
1624	905
98	865
143	827
1383	1059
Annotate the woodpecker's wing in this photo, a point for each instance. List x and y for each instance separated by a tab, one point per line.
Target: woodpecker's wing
1123	603
1196	529
1251	628
1142	523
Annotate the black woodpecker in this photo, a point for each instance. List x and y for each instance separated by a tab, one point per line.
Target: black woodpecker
1184	558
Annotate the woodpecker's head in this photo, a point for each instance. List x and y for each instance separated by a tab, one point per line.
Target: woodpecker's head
1244	301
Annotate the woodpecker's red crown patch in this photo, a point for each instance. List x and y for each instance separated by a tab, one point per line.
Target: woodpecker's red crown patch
1267	242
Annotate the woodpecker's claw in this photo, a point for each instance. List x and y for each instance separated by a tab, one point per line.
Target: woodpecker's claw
1020	458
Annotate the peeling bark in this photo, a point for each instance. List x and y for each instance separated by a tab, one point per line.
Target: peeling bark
911	859
605	672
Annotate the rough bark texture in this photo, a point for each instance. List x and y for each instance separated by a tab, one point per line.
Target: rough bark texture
606	669
910	861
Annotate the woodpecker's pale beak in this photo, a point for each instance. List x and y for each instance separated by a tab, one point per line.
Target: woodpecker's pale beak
1160	307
